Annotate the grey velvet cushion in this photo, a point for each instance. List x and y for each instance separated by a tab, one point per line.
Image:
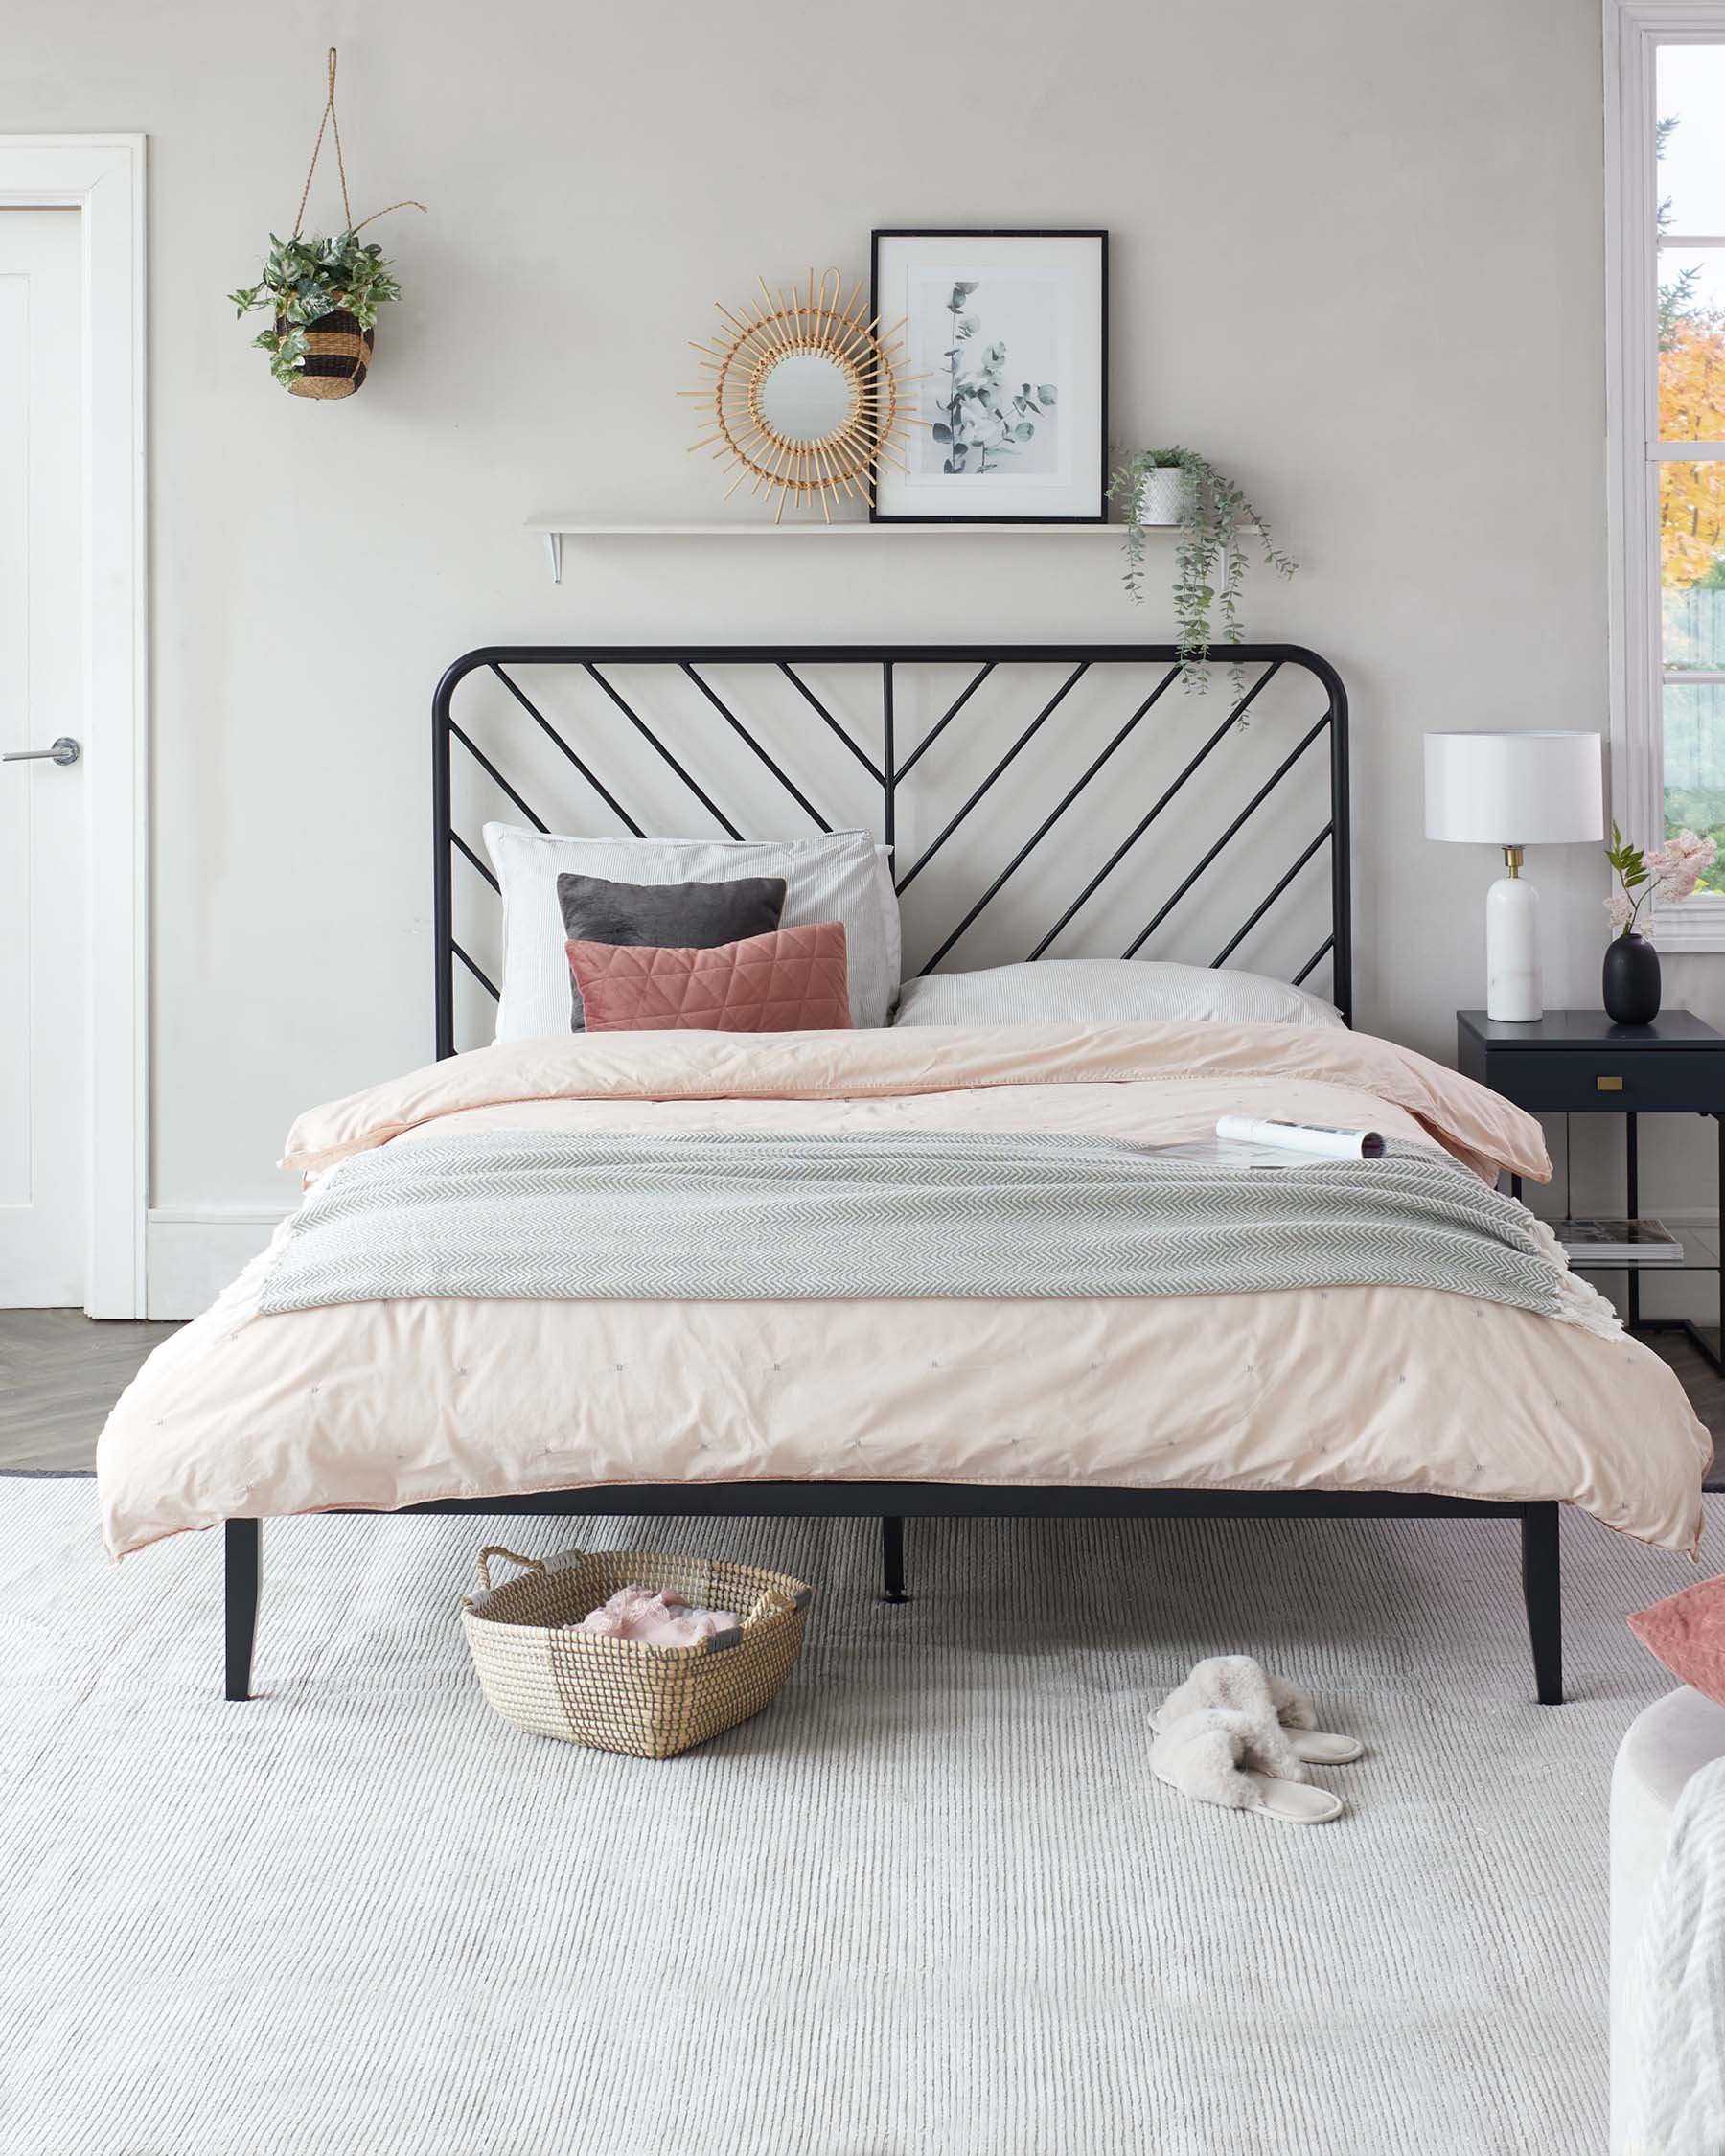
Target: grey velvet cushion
660	916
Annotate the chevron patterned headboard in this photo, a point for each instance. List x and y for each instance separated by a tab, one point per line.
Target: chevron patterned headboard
1106	807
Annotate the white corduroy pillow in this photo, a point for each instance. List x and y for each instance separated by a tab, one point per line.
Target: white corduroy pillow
838	876
1108	992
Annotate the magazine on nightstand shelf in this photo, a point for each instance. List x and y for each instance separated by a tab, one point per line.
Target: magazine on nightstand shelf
1609	1241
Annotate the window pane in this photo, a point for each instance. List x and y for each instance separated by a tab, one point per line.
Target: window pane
1695	766
1691	181
1690	195
1691	562
1692	346
1696	276
1690	112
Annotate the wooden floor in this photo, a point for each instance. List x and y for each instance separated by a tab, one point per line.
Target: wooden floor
60	1372
1705	1389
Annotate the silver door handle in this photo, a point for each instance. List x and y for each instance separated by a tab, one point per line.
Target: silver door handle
65	750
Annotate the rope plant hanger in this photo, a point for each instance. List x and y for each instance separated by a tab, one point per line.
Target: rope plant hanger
324	293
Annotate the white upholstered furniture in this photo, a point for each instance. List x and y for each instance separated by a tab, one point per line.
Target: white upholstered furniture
1667	1743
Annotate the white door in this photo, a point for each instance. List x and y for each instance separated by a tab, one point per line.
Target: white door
43	1227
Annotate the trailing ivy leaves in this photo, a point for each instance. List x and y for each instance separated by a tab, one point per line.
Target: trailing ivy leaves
306	279
1214	517
287	353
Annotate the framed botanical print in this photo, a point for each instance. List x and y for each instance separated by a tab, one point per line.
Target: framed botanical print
1005	342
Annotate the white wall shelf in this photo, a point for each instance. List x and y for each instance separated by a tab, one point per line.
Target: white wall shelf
554	530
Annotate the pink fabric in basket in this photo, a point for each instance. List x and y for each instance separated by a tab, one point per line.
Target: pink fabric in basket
1687	1635
659	1621
789	981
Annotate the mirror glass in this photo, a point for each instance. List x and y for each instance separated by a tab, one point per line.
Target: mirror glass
805	396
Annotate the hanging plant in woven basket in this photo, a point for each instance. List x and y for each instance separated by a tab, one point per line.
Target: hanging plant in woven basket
324	292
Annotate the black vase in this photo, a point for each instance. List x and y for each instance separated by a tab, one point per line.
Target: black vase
1630	984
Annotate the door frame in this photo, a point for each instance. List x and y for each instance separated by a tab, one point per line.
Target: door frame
102	176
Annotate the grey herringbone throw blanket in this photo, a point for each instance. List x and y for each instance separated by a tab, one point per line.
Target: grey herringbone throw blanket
764	1216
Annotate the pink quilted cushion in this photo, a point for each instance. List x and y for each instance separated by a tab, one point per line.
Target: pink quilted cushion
1687	1635
791	982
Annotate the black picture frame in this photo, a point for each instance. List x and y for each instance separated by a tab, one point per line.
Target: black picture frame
876	515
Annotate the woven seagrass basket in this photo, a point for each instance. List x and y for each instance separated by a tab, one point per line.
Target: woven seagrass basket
337	358
543	1674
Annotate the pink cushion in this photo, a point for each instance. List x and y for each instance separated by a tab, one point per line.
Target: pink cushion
791	982
1687	1635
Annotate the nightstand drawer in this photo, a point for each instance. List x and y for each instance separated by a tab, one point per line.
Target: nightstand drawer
1673	1080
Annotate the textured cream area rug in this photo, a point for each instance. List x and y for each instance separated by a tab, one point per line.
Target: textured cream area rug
931	1902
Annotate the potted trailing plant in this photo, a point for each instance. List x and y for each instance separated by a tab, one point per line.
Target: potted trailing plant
1630	986
1211	515
1162	485
323	294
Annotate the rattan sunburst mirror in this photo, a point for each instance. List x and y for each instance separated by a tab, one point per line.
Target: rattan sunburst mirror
803	397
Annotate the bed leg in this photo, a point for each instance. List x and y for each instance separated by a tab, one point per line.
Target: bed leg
1542	1586
242	1552
892	1559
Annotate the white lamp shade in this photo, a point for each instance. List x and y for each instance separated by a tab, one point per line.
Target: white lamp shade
1515	790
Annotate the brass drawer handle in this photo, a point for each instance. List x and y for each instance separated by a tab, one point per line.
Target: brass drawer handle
1609	1085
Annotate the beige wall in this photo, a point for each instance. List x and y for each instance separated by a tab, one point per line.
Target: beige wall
1357	258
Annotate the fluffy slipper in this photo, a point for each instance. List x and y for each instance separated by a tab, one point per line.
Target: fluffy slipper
1220	1758
1240	1686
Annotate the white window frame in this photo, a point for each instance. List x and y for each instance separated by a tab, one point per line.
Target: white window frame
1634	32
102	176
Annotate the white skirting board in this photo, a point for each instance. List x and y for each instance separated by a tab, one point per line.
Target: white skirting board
192	1256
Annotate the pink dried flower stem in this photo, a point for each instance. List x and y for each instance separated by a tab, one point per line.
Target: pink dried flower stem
1670	872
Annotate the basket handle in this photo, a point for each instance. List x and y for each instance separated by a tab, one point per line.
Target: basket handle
497	1549
773	1602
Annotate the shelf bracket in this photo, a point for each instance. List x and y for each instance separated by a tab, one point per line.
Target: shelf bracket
554	553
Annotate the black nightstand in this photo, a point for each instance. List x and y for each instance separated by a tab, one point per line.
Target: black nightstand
1580	1064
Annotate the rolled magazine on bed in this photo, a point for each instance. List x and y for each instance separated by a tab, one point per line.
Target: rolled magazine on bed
1330	1141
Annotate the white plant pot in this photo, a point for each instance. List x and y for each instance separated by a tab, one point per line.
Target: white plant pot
1164	495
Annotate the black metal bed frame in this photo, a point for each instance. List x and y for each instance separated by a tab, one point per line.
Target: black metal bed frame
890	773
891	1502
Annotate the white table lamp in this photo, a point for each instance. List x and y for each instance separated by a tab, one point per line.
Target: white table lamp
1513	790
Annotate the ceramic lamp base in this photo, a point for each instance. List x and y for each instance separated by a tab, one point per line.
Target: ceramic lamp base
1514	991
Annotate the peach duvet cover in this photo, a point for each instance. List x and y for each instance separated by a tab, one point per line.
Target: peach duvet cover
1416	1390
